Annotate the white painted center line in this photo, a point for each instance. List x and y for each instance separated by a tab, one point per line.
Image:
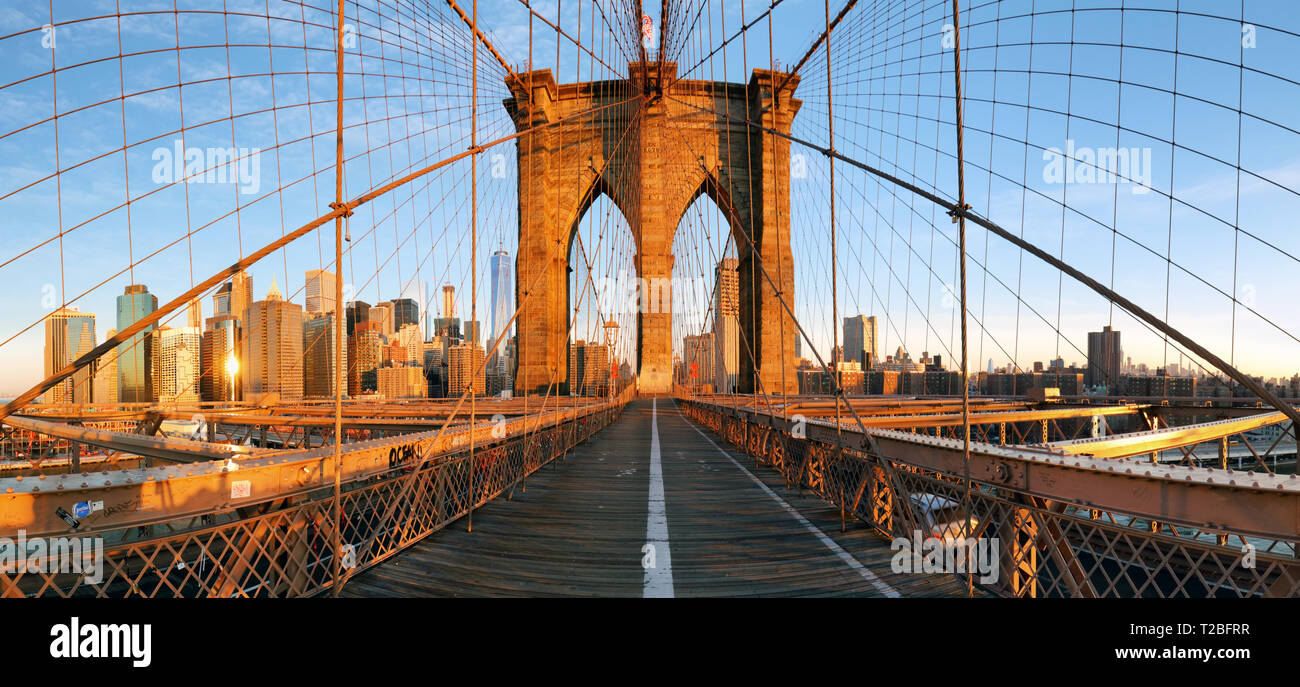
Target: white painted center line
825	539
656	558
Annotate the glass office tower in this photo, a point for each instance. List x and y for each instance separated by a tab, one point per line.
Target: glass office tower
134	361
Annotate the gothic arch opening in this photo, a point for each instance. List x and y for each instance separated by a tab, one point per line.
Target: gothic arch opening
708	342
601	352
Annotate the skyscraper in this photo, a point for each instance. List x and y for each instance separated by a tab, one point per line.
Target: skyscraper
448	326
502	302
408	337
860	344
221	300
319	367
471	332
383	314
219	378
106	376
433	367
272	348
511	349
393	353
402	382
81	333
726	326
464	368
320	291
1105	358
448	301
595	363
418	290
176	356
577	366
194	314
365	351
358	311
241	294
134	356
69	334
405	311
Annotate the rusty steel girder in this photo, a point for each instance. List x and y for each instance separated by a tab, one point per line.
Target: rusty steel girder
138	497
180	451
283	547
1248	503
1074	526
1151	441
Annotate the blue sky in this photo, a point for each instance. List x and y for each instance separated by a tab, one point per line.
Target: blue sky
892	80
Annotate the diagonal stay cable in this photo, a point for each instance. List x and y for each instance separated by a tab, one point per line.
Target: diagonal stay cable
1133	308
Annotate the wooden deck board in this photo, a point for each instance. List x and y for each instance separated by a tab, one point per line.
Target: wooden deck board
579	528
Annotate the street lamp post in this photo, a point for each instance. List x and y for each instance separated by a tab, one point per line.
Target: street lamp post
611	333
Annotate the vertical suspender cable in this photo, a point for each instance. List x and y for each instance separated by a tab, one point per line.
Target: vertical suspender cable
961	233
338	302
473	257
835	305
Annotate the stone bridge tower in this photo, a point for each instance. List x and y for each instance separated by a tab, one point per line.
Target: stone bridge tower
654	144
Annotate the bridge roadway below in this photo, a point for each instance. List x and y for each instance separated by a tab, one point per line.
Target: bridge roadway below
581	527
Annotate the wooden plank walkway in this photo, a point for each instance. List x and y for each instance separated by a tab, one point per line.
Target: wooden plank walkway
579	530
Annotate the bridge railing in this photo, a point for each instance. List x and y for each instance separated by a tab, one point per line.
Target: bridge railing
283	546
1058	524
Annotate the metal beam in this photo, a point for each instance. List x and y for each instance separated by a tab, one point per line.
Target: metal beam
1155	440
159	494
176	450
1252	504
955	419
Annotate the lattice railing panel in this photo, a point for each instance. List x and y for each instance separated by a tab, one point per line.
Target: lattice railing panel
287	550
1046	548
